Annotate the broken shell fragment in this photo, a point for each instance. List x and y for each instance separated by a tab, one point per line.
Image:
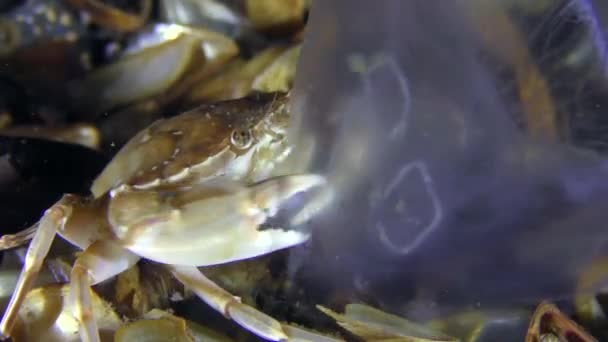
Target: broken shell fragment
273	15
159	325
375	325
82	134
237	79
280	74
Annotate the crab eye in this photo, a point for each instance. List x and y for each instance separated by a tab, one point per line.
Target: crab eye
241	139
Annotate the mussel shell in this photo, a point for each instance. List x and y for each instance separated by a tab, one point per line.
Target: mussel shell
44	316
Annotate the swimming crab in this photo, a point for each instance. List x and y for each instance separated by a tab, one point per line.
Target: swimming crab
191	190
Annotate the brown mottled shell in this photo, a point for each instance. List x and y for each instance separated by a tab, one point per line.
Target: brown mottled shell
198	138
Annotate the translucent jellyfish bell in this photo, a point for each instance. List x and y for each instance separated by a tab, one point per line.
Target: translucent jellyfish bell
456	174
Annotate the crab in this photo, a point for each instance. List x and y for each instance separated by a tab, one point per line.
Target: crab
189	191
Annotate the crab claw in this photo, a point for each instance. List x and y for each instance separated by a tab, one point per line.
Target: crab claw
268	196
211	224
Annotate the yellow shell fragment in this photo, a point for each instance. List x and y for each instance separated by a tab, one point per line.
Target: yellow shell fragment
279	75
592	278
298	334
508	43
5	120
477	324
237	78
153	330
375	325
269	14
82	134
161	326
44	316
203	334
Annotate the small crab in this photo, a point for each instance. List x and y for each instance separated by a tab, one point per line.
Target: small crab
191	190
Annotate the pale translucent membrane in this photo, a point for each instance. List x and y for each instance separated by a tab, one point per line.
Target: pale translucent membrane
442	199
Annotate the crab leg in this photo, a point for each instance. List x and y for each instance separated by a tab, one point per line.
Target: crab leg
229	305
100	261
9	241
54	218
